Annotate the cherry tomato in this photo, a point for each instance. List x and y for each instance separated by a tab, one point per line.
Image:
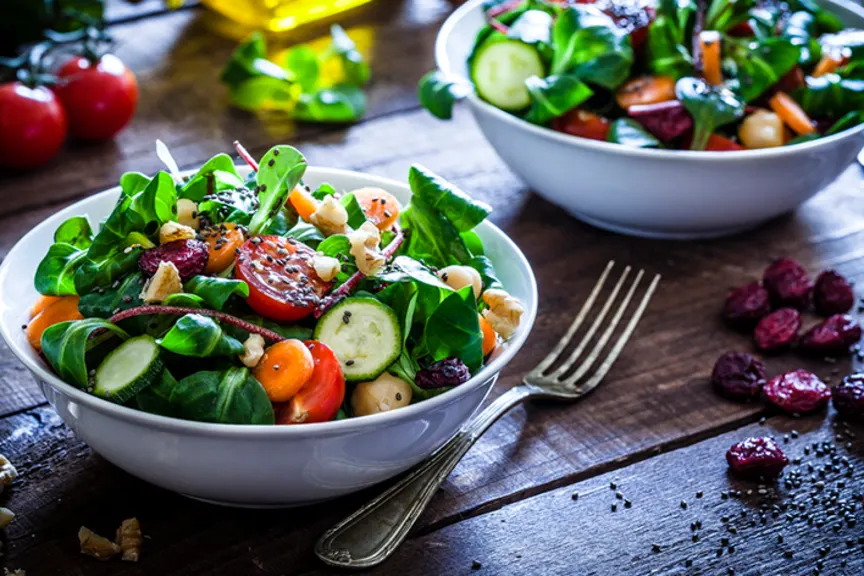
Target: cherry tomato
283	285
321	397
717	143
581	123
100	97
32	126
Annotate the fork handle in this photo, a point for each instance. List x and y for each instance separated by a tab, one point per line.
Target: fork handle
371	534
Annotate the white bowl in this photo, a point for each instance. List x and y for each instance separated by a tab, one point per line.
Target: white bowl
258	466
654	193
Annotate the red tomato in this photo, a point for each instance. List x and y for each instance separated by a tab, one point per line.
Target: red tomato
283	286
581	123
32	126
321	397
100	97
718	143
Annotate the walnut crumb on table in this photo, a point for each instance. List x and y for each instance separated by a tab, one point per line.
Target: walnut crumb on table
96	546
129	538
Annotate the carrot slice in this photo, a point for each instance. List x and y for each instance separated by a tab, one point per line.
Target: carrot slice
283	370
222	241
62	310
646	90
43	302
380	207
791	113
709	42
490	339
826	65
303	202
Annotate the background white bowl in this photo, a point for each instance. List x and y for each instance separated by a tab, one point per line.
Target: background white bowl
655	193
258	465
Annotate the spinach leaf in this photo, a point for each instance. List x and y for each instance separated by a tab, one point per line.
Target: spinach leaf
131	183
800	30
723	15
156	203
710	106
487	272
830	96
428	289
323	191
803	138
249	61
55	275
216	175
303	61
184	300
65	346
281	169
156	399
338	246
355	68
437	93
106	302
473	243
229	397
229	205
215	291
590	45
442	196
628	132
305	233
339	104
667	54
850	120
75	231
356	216
453	330
825	20
761	64
295	331
554	96
106	269
430	236
201	337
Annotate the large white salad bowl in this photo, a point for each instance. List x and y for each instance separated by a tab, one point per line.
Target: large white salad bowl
654	193
257	466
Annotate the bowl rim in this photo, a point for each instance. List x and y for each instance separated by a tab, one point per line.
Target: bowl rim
332	427
443	63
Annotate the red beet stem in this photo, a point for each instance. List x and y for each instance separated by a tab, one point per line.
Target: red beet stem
245	155
180	311
352	282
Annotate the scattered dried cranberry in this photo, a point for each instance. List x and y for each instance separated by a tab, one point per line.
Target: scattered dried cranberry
447	372
835	335
832	294
757	457
797	391
777	330
189	256
746	305
738	375
848	396
788	283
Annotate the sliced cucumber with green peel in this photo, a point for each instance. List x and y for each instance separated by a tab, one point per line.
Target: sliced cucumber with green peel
499	70
132	367
364	334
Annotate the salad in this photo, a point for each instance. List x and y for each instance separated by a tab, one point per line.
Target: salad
713	75
259	300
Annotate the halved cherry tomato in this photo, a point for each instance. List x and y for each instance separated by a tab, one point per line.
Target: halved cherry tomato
321	397
646	90
584	124
63	310
100	97
380	207
490	338
283	285
283	370
32	126
717	143
43	302
223	240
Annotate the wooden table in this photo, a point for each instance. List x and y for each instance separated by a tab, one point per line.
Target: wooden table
654	430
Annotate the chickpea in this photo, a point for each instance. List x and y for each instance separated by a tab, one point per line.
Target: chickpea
457	277
383	394
187	213
762	129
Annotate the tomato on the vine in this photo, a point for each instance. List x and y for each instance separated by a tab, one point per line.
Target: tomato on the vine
32	126
99	96
283	285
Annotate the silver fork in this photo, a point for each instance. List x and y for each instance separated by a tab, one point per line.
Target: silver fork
371	534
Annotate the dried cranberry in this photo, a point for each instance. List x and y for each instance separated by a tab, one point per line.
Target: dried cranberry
848	396
832	294
777	330
745	306
189	256
447	372
834	335
738	375
788	283
797	391
756	457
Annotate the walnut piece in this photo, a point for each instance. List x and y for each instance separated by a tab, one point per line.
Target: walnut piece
96	546
254	350
7	472
330	217
173	231
326	267
165	281
6	516
504	312
18	572
364	249
130	539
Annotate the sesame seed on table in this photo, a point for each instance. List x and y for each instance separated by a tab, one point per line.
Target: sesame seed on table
631	480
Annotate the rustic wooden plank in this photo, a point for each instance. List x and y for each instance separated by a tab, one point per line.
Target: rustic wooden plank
177	60
553	534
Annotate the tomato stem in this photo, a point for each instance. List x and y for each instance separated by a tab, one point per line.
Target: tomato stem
245	155
180	311
352	282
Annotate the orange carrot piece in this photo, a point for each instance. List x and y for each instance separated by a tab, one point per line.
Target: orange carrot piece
709	41
303	202
646	90
490	338
791	113
380	207
826	65
283	370
43	302
62	310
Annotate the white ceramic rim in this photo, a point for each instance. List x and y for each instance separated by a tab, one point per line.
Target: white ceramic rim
333	427
444	64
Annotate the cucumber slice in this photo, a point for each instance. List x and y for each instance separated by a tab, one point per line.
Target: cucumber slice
499	70
364	334
132	367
